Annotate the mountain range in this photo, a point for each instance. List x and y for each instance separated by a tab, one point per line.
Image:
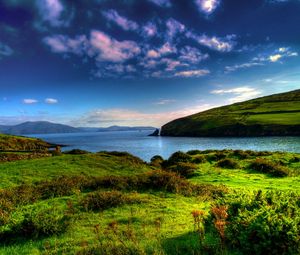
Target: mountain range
45	127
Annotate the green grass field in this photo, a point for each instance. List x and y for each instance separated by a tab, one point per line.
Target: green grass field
151	213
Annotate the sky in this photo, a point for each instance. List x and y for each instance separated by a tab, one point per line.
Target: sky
99	63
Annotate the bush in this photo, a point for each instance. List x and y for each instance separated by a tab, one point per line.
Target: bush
264	222
184	169
76	152
179	156
199	159
193	152
241	154
101	200
156	160
265	166
295	159
36	224
228	163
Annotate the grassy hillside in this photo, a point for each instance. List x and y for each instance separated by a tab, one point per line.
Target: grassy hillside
19	143
271	115
114	203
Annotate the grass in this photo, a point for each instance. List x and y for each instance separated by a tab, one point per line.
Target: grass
145	216
272	115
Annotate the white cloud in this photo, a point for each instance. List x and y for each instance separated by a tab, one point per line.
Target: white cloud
207	6
108	117
51	101
174	27
123	22
241	93
64	44
242	66
192	55
51	11
225	44
165	101
149	30
161	3
193	73
106	48
275	58
5	50
30	101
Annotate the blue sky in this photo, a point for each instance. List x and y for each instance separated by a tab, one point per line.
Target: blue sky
142	62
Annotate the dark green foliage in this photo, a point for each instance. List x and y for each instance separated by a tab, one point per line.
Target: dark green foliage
156	160
76	152
36	224
266	166
179	156
101	200
295	159
228	163
194	152
264	223
240	154
199	159
186	170
126	156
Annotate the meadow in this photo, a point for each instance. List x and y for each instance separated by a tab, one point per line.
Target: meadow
199	202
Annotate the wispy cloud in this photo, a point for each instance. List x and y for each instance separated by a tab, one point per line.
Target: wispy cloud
174	27
224	44
51	101
192	55
165	101
30	101
108	117
5	50
240	93
123	22
242	66
207	6
149	30
193	73
162	3
108	49
51	11
65	44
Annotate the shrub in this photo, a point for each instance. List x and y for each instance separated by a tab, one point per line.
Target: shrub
36	224
199	159
184	169
295	159
228	163
264	222
193	152
241	154
156	160
76	152
101	200
265	166
179	156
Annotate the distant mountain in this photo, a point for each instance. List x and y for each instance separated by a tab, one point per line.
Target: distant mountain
37	127
275	115
125	128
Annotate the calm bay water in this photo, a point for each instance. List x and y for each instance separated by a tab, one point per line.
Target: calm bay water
140	144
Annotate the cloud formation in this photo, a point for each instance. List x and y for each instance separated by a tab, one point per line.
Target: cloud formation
121	21
51	12
207	6
5	50
30	101
240	93
193	73
51	101
161	3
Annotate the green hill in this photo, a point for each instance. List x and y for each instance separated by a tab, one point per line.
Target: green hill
19	143
275	115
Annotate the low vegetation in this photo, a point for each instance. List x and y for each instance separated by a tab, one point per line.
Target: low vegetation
199	202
